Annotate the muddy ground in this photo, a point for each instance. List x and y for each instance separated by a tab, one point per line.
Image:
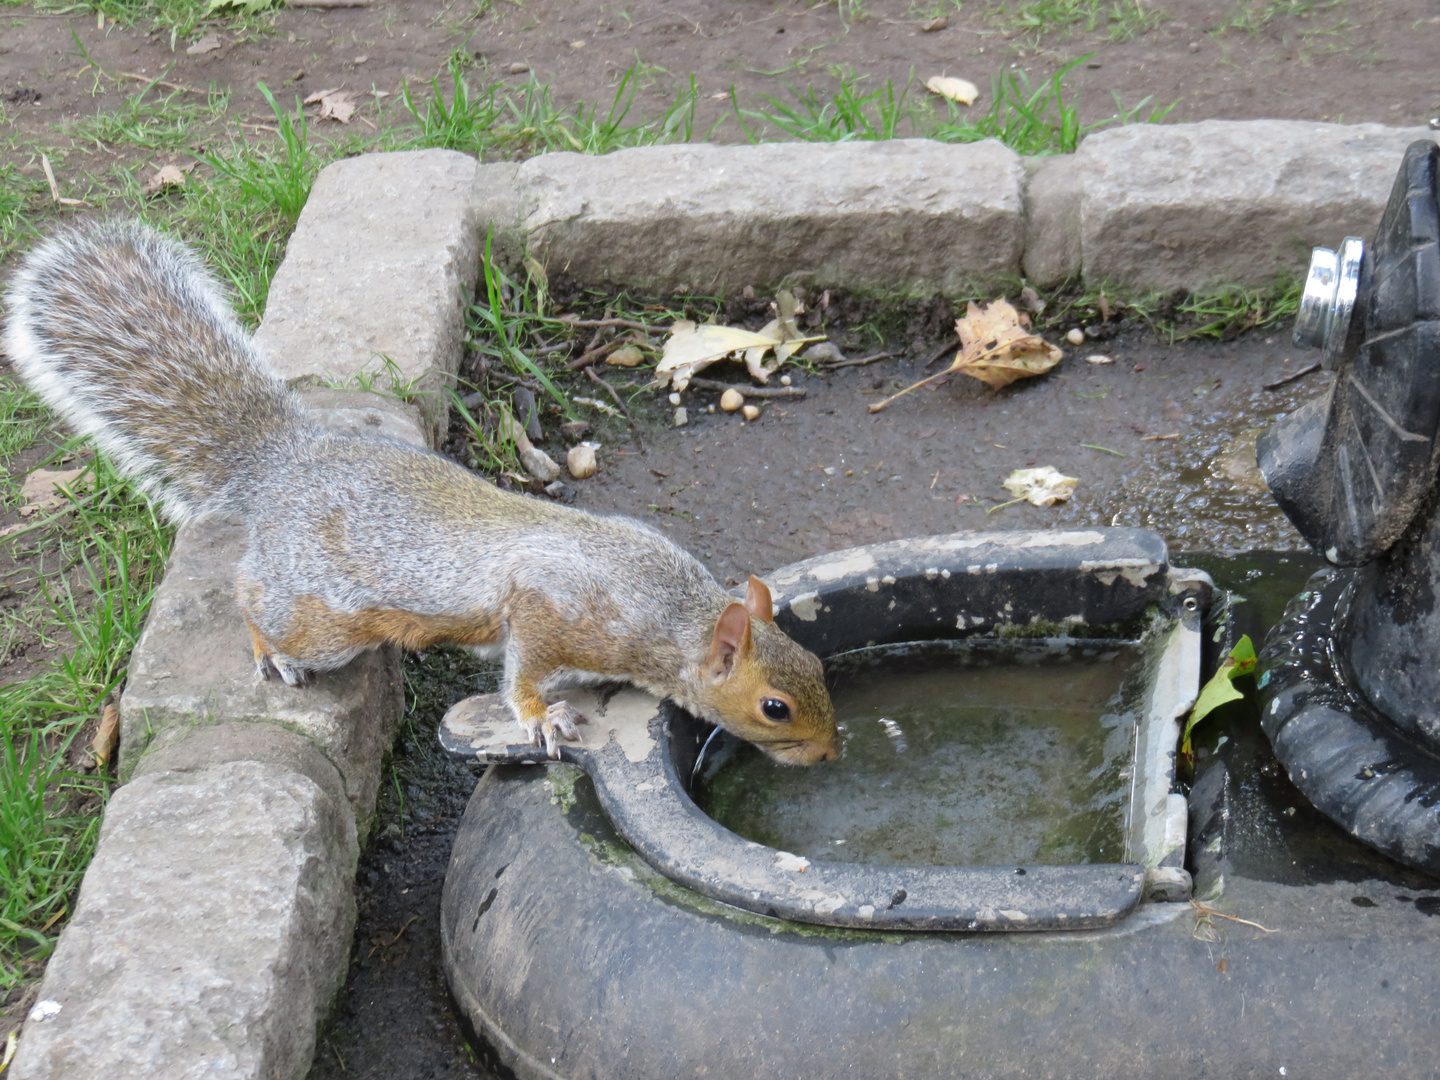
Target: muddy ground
1339	60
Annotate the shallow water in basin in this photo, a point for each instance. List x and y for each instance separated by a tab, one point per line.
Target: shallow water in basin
955	754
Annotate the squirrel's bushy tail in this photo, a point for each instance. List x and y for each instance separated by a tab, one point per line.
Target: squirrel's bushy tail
124	333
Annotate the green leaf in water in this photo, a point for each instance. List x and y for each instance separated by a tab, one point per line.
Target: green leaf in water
1221	687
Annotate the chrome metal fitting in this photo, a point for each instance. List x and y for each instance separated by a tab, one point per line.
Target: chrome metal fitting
1328	302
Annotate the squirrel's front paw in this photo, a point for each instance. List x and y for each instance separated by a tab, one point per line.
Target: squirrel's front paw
558	722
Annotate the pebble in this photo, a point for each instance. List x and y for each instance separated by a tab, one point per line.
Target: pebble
750	412
731	400
581	460
681	418
674	399
539	464
517	69
784	380
1076	336
1097	359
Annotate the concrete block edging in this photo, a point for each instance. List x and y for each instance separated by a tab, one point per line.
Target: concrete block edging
213	928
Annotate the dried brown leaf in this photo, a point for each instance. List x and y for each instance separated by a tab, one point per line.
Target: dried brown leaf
46	489
996	349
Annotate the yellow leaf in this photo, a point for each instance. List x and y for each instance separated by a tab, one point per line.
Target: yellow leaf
961	90
690	349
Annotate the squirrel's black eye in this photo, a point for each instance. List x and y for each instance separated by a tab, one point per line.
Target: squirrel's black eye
775	709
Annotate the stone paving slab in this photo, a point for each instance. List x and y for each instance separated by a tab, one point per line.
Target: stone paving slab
909	216
212	930
382	266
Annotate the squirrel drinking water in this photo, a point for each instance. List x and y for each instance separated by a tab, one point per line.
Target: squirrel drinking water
355	542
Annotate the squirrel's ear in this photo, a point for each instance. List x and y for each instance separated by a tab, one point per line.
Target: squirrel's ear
757	600
730	641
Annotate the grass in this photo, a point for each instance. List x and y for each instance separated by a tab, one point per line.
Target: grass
1253	17
1119	20
1029	119
98	562
1216	315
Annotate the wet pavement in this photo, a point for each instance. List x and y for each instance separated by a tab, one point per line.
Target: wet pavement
1163	438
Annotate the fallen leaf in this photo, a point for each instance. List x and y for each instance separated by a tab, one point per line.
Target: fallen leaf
46	489
961	90
208	43
106	736
1044	486
167	176
628	356
997	350
1221	687
690	348
335	104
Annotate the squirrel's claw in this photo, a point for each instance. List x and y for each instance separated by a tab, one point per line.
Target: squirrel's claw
274	664
558	722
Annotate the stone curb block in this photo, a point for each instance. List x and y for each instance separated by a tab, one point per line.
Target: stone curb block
381	267
905	216
1147	206
212	931
1194	206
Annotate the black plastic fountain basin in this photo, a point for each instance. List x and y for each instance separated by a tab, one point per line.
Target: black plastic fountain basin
571	956
1103	583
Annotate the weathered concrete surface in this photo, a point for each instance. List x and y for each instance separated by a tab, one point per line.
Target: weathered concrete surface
194	665
213	927
908	216
1193	206
382	265
1052	219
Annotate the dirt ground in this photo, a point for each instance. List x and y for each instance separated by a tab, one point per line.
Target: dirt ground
1339	60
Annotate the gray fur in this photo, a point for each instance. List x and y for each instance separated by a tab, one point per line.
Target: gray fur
123	332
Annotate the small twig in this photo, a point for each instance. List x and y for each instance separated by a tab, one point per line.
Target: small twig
160	82
861	362
620	403
614	396
1104	449
1292	377
595	352
750	391
394	939
941	352
50	178
1001	506
1205	911
1159	438
631	323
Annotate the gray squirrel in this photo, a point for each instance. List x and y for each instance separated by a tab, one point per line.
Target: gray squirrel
355	542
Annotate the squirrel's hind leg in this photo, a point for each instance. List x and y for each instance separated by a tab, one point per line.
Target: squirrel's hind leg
269	662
